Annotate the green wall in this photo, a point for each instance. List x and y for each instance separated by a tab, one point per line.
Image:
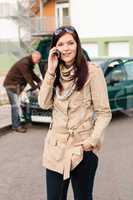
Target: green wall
6	61
103	43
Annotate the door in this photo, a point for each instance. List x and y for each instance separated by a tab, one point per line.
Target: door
128	66
115	77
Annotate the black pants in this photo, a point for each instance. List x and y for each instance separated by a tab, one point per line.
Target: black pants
82	179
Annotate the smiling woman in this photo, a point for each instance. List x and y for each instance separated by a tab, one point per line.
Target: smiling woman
74	89
68	48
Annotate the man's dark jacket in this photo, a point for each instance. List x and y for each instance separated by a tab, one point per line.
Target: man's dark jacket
20	74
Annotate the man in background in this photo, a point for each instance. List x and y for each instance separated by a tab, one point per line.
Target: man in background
21	73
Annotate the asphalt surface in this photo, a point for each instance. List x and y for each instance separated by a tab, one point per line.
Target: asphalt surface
22	176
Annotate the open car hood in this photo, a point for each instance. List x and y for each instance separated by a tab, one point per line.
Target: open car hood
43	47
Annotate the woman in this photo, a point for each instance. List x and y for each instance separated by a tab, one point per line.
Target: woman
75	90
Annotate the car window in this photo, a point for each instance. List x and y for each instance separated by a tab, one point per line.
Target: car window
115	74
129	70
113	63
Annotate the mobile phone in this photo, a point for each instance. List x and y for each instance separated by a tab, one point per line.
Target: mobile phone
58	54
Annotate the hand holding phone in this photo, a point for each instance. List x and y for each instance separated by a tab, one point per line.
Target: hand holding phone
53	60
58	54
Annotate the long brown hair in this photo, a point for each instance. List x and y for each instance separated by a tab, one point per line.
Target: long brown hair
80	64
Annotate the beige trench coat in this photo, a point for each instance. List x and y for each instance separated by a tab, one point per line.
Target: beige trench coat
74	121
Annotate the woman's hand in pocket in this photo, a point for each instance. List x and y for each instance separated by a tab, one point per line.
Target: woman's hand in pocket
90	148
85	146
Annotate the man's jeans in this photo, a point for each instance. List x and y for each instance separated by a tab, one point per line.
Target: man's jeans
15	108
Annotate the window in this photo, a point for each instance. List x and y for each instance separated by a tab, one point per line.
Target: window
62	14
115	74
129	70
91	48
118	49
33	1
65	16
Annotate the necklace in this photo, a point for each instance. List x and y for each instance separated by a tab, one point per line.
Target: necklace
67	92
67	74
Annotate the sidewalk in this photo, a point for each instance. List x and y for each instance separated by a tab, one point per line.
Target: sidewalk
5	117
5	113
3	95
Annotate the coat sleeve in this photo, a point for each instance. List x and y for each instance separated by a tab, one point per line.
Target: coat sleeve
45	99
100	104
27	74
35	77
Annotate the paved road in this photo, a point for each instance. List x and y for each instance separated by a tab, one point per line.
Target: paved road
21	174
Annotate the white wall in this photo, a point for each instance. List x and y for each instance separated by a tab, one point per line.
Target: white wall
9	30
100	18
8	27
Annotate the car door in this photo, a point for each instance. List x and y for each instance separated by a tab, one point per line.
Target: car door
115	77
128	66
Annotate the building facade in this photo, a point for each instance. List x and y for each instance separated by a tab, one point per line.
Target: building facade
104	26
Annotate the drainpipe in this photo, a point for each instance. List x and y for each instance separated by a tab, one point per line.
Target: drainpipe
41	8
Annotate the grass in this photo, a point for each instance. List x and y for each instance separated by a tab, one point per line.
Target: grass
3	103
6	61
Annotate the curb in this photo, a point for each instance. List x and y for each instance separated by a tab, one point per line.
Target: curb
4	129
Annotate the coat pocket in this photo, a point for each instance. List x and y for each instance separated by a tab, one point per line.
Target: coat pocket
53	151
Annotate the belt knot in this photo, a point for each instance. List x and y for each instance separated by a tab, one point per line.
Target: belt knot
71	131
